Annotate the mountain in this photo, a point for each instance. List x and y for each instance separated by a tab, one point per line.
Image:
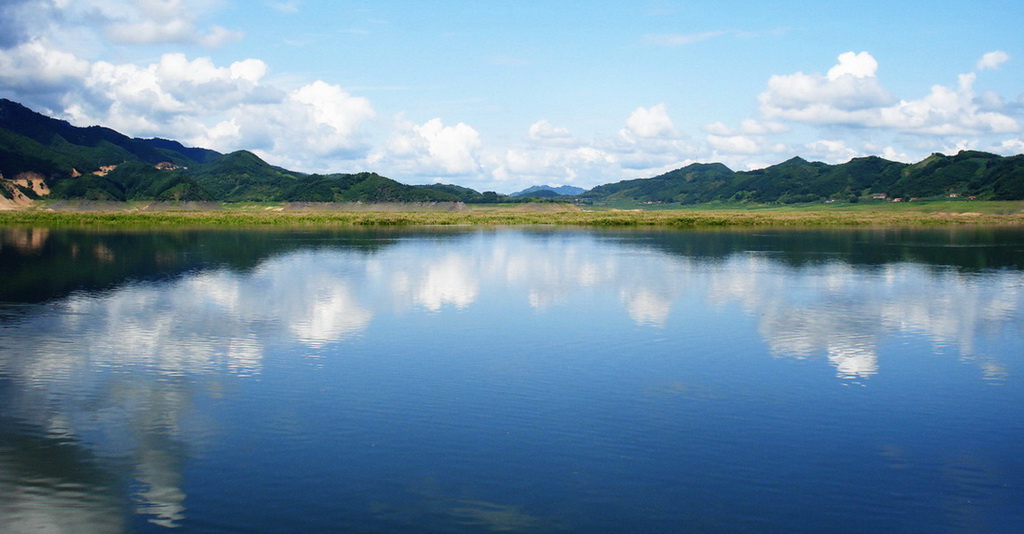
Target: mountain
42	156
546	191
966	174
692	184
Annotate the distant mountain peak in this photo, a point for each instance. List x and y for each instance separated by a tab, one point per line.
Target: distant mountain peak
562	190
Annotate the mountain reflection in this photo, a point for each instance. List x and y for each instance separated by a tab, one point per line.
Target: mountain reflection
219	318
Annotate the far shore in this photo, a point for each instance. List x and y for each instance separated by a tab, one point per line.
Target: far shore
157	214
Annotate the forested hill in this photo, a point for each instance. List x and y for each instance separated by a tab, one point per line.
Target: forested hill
967	174
43	156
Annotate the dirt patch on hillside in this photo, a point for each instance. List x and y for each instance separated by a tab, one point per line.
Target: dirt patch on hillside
12	198
33	181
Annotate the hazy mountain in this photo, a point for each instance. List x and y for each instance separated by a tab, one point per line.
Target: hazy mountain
539	191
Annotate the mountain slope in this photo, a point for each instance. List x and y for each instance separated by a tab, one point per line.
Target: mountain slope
42	156
98	163
967	174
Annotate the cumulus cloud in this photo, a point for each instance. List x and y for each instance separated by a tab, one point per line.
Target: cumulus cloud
198	102
431	148
37	65
310	128
560	165
851	95
647	144
174	96
849	88
860	65
648	123
993	59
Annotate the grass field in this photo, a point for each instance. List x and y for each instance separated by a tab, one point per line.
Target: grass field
213	214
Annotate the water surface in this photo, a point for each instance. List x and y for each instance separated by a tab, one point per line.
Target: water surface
459	380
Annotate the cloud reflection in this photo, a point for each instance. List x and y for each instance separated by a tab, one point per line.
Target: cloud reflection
218	319
450	281
218	322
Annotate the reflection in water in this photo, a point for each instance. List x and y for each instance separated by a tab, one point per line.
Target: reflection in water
220	319
449	281
115	368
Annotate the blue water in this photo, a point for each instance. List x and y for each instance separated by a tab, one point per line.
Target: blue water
512	380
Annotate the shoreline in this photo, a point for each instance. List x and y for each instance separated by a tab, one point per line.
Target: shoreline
543	214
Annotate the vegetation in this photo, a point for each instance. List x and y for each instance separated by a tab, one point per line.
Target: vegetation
100	164
969	174
254	215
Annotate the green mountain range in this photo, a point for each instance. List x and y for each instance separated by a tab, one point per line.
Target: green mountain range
967	174
42	156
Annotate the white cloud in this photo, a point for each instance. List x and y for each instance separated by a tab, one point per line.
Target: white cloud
452	147
431	148
36	65
860	65
992	60
718	128
531	165
849	88
196	101
336	115
754	127
164	21
734	144
851	95
944	111
831	151
647	144
175	96
1009	147
544	132
649	122
309	129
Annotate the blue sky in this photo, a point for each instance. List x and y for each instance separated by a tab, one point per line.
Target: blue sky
503	95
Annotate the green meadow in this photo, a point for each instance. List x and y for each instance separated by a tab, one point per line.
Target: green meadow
284	214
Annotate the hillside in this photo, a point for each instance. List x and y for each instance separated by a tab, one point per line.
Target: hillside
41	156
45	157
967	174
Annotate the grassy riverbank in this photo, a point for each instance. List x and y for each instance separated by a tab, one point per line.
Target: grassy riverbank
243	215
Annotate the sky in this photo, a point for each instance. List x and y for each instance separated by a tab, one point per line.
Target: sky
499	96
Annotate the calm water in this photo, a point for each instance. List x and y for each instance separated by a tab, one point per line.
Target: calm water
512	380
